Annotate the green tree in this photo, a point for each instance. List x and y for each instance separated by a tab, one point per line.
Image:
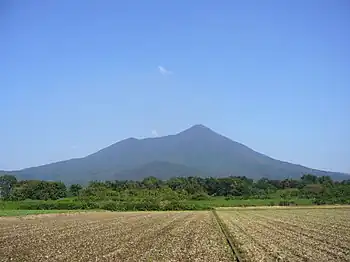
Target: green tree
7	183
151	182
325	180
75	189
309	179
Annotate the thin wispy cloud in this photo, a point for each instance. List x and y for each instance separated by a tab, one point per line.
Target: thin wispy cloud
164	71
154	133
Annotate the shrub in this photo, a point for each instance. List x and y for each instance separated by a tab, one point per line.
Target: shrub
200	196
318	201
284	203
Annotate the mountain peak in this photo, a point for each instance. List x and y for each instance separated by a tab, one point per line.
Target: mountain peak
197	129
198	132
199	126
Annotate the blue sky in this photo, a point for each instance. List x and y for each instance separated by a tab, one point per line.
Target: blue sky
76	76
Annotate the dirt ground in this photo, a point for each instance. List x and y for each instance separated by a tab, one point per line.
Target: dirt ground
111	236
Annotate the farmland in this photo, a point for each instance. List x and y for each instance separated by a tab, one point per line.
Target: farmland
108	236
255	234
293	234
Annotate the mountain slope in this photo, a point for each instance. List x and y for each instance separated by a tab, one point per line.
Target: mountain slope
197	148
165	170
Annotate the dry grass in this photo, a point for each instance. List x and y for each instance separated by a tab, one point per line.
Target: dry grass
283	207
108	236
294	234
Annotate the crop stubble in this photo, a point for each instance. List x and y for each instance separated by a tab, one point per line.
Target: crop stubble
108	236
290	235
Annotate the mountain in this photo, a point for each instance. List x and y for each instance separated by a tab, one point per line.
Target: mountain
195	151
162	169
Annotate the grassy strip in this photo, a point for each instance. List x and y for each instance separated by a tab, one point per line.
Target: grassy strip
222	202
230	241
250	208
13	212
146	205
104	205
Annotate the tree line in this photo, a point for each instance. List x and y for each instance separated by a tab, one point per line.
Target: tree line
321	189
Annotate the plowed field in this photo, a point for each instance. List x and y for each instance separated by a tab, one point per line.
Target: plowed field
290	234
107	236
270	234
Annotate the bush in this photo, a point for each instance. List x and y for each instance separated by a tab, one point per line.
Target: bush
52	204
319	202
286	203
200	196
271	203
110	205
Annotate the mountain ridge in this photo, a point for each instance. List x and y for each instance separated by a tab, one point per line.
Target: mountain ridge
197	149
